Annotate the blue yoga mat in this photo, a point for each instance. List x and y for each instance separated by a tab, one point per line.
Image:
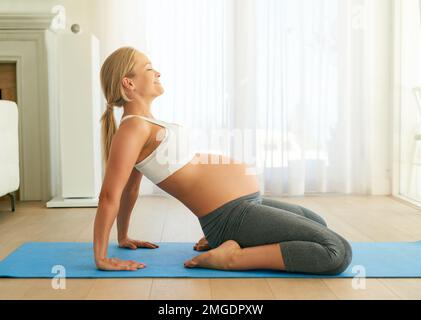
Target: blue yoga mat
50	259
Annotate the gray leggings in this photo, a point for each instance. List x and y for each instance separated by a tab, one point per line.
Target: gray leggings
307	244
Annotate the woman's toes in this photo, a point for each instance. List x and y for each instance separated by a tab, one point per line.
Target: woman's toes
190	263
218	258
199	261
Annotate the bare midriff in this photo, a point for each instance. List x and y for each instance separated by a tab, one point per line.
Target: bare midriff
208	181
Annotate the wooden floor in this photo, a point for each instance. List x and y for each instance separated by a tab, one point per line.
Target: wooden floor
160	219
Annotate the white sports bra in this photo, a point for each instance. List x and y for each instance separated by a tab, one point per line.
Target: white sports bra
172	153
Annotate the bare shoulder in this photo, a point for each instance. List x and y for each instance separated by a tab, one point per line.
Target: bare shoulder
130	138
126	145
134	125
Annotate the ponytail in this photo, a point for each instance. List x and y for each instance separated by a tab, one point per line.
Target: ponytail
116	66
109	128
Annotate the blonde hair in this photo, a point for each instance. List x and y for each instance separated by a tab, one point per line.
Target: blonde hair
117	66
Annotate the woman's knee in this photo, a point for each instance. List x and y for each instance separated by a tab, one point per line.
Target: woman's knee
341	257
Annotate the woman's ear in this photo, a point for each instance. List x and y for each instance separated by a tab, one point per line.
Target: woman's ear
128	83
128	87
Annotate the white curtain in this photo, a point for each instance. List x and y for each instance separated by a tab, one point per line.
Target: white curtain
297	78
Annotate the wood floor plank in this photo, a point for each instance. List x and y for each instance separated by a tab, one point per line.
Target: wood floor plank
373	290
390	221
180	289
14	289
42	289
407	289
303	289
244	289
120	289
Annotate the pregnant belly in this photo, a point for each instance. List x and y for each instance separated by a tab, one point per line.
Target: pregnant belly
211	181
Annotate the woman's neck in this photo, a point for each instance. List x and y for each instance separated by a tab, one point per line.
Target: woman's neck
134	108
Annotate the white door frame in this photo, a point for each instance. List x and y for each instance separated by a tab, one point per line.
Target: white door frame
32	101
23	40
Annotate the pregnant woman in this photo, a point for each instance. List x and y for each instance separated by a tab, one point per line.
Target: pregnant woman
243	230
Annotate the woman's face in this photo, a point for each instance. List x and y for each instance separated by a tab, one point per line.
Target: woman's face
146	79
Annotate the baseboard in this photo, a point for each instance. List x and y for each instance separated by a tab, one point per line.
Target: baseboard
60	202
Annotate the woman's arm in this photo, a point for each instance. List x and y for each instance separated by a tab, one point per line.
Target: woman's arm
104	220
128	200
125	148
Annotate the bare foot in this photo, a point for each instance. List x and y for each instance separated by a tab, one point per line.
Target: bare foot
218	258
202	245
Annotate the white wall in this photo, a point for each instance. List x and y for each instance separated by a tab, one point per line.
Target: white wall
78	11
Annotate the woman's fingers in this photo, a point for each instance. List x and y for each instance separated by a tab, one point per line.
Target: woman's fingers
202	241
132	262
117	264
114	267
152	245
124	262
201	245
127	263
146	244
137	264
127	244
134	244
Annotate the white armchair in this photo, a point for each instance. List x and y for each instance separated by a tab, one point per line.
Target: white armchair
9	150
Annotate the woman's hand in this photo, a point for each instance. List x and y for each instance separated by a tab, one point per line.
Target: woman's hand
134	244
117	264
202	245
